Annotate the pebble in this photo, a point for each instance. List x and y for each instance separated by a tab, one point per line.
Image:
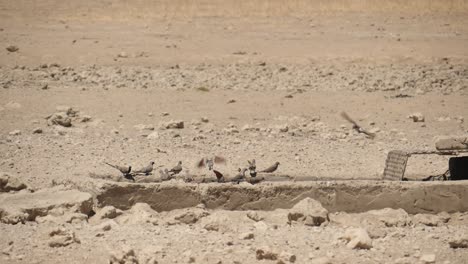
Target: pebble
417	117
15	133
37	130
428	258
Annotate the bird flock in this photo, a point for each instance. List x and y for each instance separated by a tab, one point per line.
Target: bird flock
208	163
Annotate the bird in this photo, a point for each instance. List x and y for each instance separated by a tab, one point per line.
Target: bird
255	180
125	170
357	127
209	162
147	169
240	176
219	176
252	168
164	175
177	169
272	168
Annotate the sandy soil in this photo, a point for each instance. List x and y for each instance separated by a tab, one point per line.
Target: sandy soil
269	78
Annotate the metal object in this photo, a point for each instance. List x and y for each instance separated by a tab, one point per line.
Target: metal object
395	165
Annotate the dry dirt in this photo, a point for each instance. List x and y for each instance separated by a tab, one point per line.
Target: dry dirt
268	78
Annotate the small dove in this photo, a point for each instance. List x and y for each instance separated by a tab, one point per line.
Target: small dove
147	169
164	175
209	162
272	168
240	176
177	169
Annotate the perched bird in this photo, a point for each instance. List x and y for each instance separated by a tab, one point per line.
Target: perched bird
125	170
209	162
164	175
272	168
357	127
219	176
252	168
147	169
177	169
240	176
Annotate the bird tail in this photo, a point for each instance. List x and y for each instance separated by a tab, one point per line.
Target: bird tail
113	166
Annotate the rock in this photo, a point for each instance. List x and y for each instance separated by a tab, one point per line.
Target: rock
255	216
428	258
386	217
217	221
153	135
106	226
430	219
122	54
451	143
245	236
107	212
12	48
308	211
13	105
68	110
140	213
142	127
8	183
266	253
205	119
61	237
15	133
459	243
164	113
124	256
45	87
417	117
85	118
261	226
59	119
287	257
21	207
37	130
231	101
191	215
174	124
358	238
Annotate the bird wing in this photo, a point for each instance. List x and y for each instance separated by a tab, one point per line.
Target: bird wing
346	116
218	174
201	163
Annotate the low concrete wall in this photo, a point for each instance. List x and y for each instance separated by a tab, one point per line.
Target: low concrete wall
348	196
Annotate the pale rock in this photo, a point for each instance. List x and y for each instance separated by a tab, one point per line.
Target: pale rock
140	213
173	124
417	117
106	226
245	236
153	135
9	183
357	238
459	243
15	133
61	237
107	212
37	130
143	127
255	216
429	219
286	257
428	258
308	211
126	255
321	260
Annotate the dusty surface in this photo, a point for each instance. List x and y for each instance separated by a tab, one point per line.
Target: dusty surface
270	79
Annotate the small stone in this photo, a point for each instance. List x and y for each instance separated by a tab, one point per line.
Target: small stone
45	87
245	236
37	130
358	238
122	54
150	114
417	117
266	253
164	113
114	131
205	119
12	48
124	256
174	124
15	133
428	258
142	127
107	212
254	216
231	101
308	211
287	257
85	118
459	243
61	237
321	260
153	135
106	226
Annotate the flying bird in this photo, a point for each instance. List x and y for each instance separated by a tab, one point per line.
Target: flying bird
357	127
219	176
209	162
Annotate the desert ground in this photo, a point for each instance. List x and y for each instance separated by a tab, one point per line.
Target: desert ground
168	81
